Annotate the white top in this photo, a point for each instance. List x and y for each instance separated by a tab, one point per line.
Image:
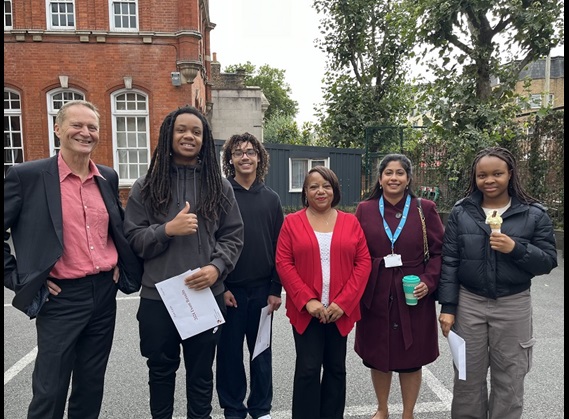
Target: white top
500	210
324	242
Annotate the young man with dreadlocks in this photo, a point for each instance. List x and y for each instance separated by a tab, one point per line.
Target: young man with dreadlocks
253	284
182	215
485	284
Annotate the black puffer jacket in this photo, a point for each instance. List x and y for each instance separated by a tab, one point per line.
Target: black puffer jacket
469	261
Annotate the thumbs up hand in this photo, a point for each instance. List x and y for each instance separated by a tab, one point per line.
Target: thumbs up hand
183	224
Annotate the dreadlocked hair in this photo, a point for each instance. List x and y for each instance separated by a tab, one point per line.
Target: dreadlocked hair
235	142
157	185
515	187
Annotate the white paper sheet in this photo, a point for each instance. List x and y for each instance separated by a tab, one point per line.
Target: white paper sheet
264	332
458	350
192	311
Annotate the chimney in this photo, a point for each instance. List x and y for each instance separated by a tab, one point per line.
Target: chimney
215	69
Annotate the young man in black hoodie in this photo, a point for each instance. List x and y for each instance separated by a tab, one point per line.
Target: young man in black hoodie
252	285
182	215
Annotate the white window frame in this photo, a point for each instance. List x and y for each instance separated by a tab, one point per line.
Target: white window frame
128	16
12	113
65	14
122	135
53	105
535	101
8	15
310	163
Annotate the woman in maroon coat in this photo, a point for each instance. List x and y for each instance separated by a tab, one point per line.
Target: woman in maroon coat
391	335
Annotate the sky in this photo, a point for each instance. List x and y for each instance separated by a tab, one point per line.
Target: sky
279	33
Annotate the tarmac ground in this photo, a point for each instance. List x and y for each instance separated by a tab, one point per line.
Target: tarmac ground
126	390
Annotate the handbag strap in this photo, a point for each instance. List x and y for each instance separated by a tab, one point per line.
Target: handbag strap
426	255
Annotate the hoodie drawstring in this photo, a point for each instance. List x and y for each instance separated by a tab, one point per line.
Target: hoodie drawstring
181	193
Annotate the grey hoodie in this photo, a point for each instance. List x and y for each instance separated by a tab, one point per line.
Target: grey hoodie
217	243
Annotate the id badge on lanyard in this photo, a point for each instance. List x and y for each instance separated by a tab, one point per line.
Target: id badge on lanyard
392	260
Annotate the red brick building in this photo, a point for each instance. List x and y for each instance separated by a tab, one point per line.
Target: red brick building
137	60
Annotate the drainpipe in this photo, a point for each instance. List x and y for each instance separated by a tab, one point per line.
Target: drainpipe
546	83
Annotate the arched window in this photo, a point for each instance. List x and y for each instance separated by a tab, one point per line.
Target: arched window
55	100
131	142
13	137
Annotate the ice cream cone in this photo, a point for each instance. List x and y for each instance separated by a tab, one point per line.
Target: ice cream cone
494	221
495	227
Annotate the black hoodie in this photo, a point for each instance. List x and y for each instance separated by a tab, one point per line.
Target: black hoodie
263	217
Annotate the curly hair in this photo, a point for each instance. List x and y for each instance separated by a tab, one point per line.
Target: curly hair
233	143
157	185
515	187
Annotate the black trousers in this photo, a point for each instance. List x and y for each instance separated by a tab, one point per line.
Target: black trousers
320	349
242	324
160	342
75	333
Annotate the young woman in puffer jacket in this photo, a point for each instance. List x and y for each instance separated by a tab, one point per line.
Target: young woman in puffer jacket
485	285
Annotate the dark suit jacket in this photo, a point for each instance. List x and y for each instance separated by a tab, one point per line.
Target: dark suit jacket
33	217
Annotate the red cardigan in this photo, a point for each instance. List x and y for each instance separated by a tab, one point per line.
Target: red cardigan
299	268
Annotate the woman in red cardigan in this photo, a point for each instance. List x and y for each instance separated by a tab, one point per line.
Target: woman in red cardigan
324	264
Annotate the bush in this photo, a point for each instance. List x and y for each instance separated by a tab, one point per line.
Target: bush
346	208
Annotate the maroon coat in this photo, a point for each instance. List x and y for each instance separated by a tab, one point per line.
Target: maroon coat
392	335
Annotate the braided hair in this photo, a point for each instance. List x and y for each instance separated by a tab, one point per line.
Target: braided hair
157	185
234	142
515	187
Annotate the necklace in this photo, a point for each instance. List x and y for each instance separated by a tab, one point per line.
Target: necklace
318	217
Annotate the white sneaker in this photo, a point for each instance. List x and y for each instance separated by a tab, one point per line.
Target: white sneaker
265	417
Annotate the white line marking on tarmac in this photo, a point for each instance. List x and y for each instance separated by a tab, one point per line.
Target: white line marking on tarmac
429	379
20	365
438	388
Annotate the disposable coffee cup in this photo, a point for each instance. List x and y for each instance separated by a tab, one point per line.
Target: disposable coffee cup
409	284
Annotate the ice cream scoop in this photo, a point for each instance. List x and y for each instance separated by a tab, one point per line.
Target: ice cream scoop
494	220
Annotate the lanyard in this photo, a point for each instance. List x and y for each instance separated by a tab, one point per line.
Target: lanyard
393	237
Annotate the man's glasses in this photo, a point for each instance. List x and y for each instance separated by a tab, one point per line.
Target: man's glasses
239	153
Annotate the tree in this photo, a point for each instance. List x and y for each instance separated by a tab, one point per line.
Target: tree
476	42
367	43
281	129
272	83
481	34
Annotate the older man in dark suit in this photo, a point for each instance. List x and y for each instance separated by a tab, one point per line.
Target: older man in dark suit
70	257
